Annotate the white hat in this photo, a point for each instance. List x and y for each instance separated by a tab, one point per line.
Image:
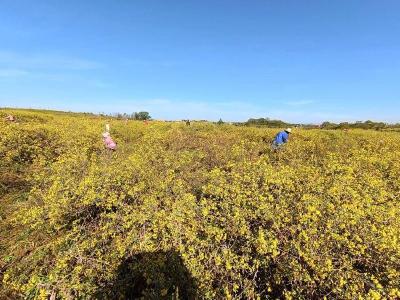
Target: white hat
288	130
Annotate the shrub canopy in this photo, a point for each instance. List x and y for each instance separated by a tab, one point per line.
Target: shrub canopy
201	211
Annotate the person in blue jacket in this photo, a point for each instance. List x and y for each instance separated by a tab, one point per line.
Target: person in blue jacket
281	138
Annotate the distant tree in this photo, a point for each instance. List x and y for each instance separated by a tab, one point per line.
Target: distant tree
358	124
142	115
266	122
328	125
220	122
344	125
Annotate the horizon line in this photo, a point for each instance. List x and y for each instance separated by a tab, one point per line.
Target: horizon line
198	120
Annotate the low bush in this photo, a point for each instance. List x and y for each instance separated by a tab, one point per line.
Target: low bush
199	211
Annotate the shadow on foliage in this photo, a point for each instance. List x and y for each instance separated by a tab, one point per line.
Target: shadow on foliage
155	275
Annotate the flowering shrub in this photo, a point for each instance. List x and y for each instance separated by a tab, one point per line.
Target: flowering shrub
201	211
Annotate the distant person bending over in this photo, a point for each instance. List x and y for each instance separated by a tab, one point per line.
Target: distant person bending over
281	138
108	141
10	118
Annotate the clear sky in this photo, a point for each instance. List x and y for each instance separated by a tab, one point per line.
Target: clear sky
299	61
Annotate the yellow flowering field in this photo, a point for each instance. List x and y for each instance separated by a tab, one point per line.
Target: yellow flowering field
204	211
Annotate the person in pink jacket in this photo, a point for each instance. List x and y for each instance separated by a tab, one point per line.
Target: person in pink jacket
108	141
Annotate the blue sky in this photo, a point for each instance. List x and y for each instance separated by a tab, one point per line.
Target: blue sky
300	61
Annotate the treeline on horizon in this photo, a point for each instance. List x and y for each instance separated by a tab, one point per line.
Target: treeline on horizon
266	122
141	116
272	123
256	122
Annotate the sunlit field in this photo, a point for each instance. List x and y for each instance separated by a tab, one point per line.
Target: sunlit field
205	211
